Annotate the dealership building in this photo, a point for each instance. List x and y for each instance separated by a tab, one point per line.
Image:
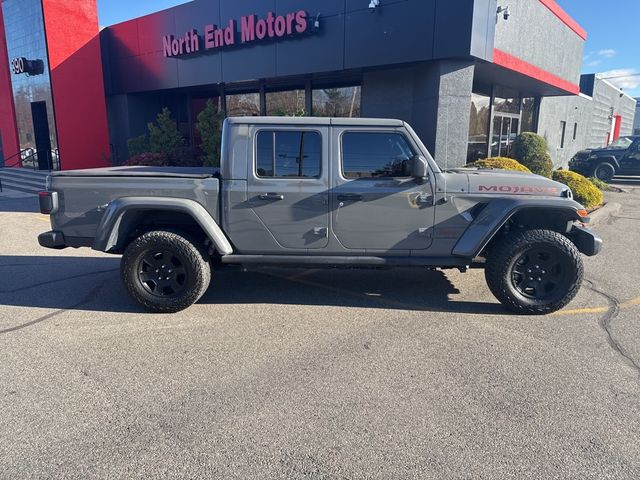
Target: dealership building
468	75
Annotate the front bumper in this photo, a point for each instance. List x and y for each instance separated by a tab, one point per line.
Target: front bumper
581	168
586	240
52	239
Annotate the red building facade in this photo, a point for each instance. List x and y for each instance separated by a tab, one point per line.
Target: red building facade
52	100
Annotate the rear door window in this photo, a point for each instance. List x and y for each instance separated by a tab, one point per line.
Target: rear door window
289	154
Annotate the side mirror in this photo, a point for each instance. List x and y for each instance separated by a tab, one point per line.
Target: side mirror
419	168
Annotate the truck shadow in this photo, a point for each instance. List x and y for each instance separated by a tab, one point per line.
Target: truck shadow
93	284
19	204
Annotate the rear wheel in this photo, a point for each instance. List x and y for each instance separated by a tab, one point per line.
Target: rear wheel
165	272
605	172
534	272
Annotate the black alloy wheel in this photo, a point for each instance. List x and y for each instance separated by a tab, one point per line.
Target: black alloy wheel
540	273
605	172
534	272
162	273
165	271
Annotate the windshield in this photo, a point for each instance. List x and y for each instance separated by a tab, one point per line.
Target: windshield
622	142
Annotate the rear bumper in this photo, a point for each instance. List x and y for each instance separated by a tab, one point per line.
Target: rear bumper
52	239
586	240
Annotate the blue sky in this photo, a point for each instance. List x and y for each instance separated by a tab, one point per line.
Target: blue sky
613	43
115	11
613	46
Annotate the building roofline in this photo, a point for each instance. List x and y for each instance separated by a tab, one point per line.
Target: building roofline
565	17
613	86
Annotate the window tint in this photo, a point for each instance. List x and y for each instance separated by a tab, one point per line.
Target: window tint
289	154
367	155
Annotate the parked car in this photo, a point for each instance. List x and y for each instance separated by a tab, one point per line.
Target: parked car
622	157
320	192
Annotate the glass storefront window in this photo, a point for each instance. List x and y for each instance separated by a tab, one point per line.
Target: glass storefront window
337	102
286	104
478	128
507	105
243	105
529	106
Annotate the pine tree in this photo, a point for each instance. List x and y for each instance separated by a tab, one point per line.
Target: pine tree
209	126
164	137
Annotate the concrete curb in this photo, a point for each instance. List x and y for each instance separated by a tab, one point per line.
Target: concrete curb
604	212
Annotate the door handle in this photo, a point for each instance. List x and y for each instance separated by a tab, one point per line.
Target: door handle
349	197
271	196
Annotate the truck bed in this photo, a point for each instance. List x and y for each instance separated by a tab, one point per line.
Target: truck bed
85	194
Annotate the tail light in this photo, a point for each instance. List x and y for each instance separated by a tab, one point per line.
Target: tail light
48	202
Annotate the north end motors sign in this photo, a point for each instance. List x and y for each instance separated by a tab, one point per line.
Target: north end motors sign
252	29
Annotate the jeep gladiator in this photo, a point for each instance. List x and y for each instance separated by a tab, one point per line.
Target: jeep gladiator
321	192
622	157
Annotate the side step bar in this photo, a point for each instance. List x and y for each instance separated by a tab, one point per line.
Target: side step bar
337	261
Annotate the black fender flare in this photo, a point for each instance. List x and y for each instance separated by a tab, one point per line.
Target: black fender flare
112	228
498	212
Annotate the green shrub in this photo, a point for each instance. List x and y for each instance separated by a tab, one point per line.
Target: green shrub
531	150
138	145
542	165
209	126
501	163
599	183
184	157
148	160
583	190
164	136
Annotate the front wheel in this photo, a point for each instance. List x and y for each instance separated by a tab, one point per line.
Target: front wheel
165	272
605	172
534	272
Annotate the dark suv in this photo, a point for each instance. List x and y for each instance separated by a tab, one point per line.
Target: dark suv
622	157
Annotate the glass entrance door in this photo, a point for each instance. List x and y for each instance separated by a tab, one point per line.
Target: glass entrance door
505	130
42	135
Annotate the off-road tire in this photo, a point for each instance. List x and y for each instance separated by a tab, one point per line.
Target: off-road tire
605	172
506	257
193	264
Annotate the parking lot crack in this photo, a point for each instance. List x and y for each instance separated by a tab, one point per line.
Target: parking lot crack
606	324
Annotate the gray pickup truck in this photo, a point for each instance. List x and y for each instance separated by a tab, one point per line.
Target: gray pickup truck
320	192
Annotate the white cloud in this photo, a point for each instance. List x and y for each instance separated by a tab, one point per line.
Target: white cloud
625	78
607	53
594	63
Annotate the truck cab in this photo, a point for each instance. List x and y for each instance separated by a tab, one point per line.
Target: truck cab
286	185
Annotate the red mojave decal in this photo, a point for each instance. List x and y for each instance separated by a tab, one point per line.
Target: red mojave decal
519	190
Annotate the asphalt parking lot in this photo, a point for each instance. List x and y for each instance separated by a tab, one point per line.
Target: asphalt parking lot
315	374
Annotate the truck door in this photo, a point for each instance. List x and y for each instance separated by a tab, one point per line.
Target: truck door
376	204
630	163
288	186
